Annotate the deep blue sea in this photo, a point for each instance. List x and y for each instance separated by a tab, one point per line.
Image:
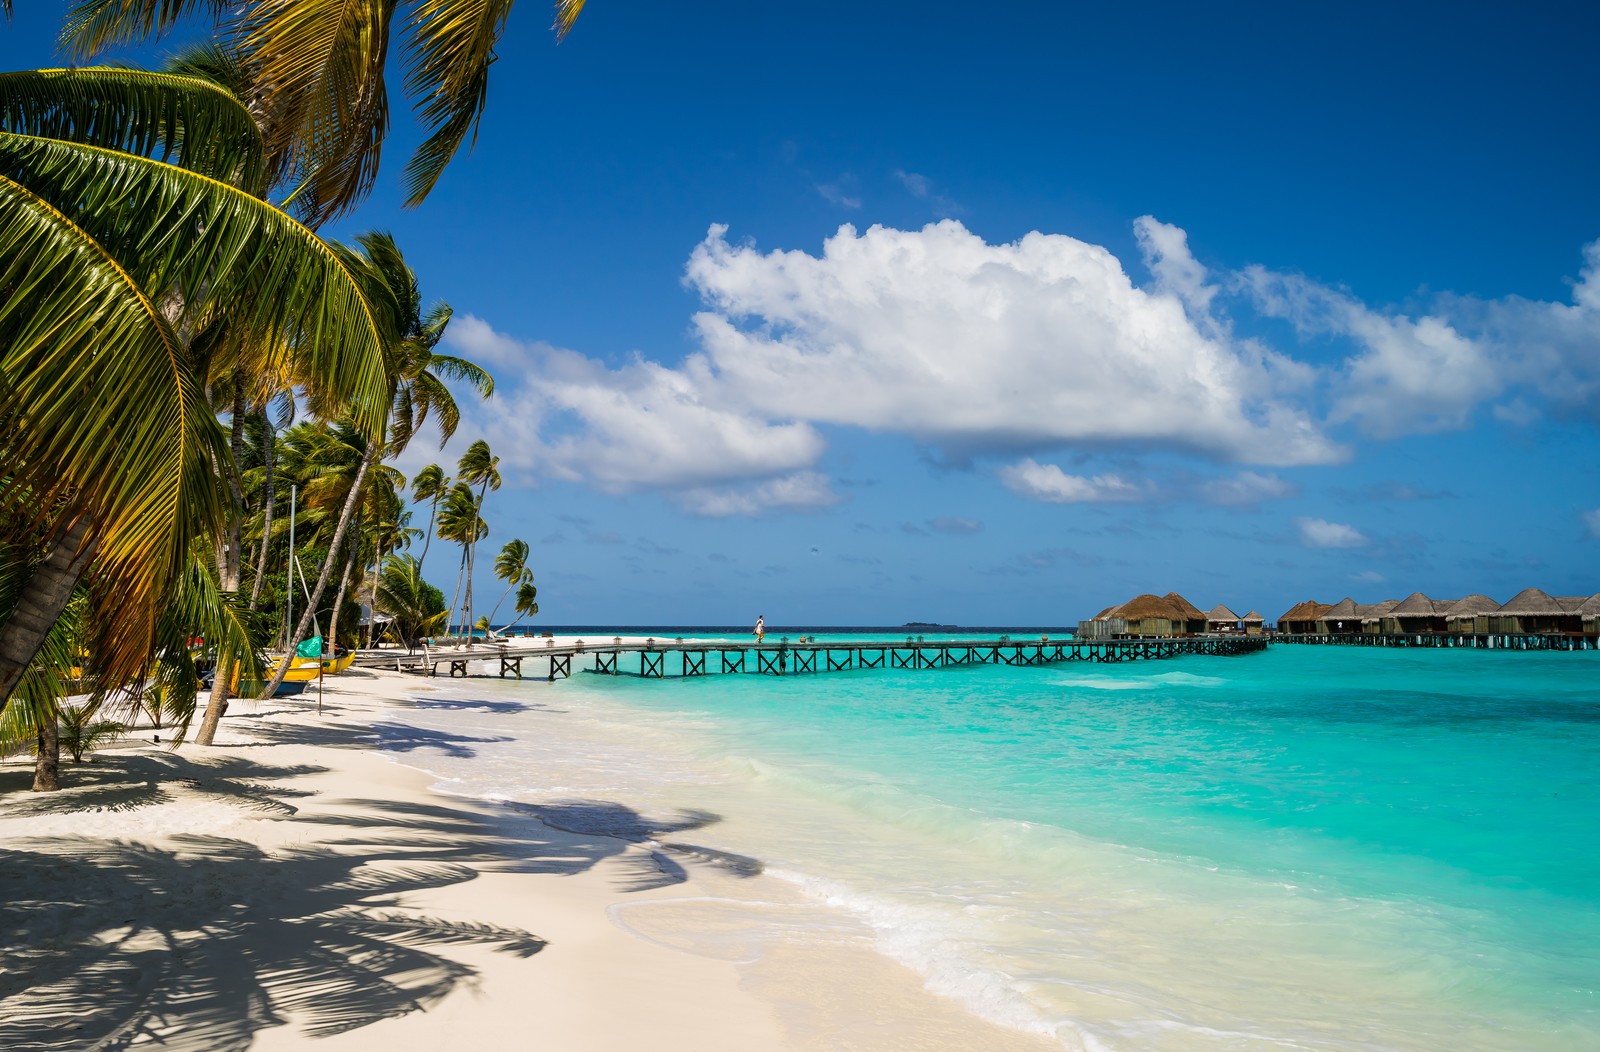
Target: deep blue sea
1320	848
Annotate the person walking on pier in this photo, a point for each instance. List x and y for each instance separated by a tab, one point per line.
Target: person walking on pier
761	628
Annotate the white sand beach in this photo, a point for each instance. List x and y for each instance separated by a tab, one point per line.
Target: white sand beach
293	881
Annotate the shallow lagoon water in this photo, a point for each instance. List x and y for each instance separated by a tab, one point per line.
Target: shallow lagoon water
1310	848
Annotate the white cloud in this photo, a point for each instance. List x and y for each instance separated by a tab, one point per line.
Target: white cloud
1246	488
642	425
1049	483
972	346
802	490
1431	372
1368	577
1591	522
1177	272
1320	533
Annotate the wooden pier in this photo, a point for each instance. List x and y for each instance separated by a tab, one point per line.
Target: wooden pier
1446	640
658	659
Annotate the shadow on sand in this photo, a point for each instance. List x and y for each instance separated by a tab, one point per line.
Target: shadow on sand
197	944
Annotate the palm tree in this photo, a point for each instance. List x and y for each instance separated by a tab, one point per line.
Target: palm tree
511	566
127	221
526	606
478	466
430	484
416	606
414	388
319	70
459	522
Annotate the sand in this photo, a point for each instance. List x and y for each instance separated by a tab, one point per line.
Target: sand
294	882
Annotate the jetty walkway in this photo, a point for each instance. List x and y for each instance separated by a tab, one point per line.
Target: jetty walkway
660	659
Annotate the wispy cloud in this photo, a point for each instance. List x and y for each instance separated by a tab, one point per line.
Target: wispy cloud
1047	482
922	188
1591	522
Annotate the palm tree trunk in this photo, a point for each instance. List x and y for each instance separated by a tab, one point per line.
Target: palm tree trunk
41	601
334	548
344	586
229	564
268	455
427	538
47	768
372	597
460	576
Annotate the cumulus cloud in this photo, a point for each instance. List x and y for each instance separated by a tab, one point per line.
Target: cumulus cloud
1047	482
1429	373
1591	522
976	347
1320	533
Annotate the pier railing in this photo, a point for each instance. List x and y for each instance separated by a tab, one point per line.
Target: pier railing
658	659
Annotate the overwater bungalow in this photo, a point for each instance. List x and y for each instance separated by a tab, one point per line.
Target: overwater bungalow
1152	616
1220	619
1301	618
1415	613
1192	617
1254	623
1339	618
1470	614
1532	611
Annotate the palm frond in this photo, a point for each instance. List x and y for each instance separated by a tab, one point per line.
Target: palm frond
193	122
451	48
567	12
329	108
110	419
95	25
282	284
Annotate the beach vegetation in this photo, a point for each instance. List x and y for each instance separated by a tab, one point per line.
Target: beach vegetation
129	222
416	607
478	467
511	566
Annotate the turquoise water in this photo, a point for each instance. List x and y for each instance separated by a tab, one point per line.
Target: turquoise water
1310	848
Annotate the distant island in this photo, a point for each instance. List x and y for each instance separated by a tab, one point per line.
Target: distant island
927	626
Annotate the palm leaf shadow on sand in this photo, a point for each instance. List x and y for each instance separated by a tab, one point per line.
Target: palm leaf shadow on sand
199	944
108	944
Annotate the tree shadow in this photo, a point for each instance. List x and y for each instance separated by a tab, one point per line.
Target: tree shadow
201	942
130	780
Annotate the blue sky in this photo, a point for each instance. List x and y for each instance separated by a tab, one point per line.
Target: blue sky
875	313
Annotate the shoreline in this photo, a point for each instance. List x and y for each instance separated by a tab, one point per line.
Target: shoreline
293	880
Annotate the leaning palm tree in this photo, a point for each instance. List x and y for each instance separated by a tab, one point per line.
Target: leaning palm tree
127	221
526	604
430	484
477	467
511	566
320	70
415	606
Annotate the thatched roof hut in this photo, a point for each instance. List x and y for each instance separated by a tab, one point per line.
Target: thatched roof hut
1194	618
1470	614
1151	615
1415	613
1254	623
1220	619
1301	618
1340	617
1532	610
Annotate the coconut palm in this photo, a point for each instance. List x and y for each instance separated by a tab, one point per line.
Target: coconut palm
526	605
127	221
430	484
320	67
417	607
511	566
477	467
459	522
414	386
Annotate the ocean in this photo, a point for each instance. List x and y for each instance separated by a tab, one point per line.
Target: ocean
1312	848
